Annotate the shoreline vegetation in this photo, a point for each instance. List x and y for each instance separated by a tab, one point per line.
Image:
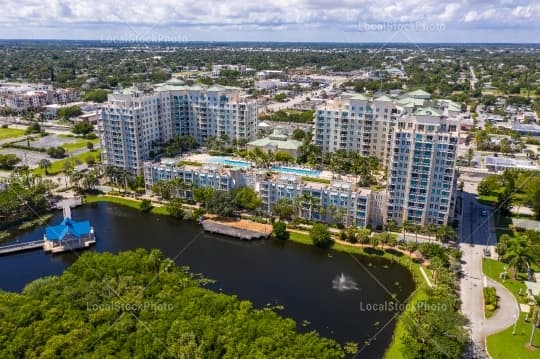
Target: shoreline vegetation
302	237
190	320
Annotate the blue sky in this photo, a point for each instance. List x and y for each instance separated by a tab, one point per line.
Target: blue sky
276	20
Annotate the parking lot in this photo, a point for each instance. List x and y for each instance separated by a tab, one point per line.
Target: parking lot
31	158
48	141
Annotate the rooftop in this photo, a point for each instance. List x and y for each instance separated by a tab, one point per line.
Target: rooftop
419	94
510	162
278	140
428	111
68	226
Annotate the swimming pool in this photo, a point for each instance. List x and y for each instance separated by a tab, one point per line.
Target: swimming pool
297	171
230	162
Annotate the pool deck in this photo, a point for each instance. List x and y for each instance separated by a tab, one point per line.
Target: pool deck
206	158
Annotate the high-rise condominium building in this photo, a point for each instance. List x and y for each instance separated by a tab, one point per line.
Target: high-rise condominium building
365	125
413	136
356	123
136	121
422	168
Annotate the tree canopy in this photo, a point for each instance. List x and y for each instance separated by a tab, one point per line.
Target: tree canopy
139	304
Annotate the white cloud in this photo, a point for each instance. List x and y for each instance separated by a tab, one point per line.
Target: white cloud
276	15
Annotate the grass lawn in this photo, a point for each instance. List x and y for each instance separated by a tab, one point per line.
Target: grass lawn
190	163
10	133
128	202
489	200
493	269
315	179
505	345
70	147
58	166
502	226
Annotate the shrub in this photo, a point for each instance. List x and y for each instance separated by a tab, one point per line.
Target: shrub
56	152
146	205
8	161
320	235
490	298
280	230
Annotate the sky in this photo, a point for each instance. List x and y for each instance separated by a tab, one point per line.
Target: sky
413	21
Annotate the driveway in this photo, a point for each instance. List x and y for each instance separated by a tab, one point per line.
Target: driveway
477	235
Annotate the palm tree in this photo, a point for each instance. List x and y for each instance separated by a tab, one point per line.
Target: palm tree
337	214
284	208
518	255
392	226
385	239
374	240
436	266
90	180
75	178
210	142
68	170
535	317
45	164
445	233
417	228
179	187
431	230
502	246
408	226
306	202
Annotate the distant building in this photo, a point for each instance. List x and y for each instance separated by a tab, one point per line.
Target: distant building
28	96
396	73
270	74
271	84
499	164
526	129
51	111
216	69
66	96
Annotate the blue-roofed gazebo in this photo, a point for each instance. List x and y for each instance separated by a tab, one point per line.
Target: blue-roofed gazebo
68	235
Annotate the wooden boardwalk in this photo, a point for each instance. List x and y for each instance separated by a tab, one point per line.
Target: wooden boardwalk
242	229
19	247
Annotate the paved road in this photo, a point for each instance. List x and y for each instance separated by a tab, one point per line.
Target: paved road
477	235
302	97
473	78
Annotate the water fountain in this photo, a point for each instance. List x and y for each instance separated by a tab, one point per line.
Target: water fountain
343	283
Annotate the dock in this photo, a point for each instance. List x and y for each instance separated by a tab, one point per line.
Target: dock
20	247
67	236
241	229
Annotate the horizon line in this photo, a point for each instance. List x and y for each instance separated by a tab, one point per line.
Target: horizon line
274	42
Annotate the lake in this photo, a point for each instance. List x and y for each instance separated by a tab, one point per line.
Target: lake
323	290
